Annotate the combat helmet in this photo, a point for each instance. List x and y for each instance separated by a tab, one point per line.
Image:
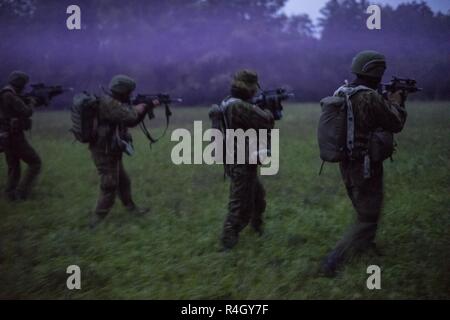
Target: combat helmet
245	80
122	85
18	79
369	63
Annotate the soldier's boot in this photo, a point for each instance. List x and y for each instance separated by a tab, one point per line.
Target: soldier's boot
137	211
229	240
96	218
330	264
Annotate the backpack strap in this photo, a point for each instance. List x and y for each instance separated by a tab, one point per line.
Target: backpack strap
349	92
224	107
227	125
367	162
350	126
8	88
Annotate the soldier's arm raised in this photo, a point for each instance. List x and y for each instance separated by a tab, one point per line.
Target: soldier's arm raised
389	114
141	110
246	115
17	106
125	114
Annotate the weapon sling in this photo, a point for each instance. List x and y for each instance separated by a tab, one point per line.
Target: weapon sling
147	133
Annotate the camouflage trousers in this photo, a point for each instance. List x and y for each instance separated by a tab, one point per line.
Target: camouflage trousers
113	180
246	202
16	150
367	199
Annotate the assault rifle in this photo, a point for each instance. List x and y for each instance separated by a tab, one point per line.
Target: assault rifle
403	84
163	98
272	99
44	94
148	99
400	84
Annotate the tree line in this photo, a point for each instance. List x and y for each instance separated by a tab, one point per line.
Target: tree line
192	47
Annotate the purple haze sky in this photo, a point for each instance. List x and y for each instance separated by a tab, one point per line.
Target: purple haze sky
312	7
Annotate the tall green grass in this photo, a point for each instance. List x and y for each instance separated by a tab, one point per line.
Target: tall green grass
173	252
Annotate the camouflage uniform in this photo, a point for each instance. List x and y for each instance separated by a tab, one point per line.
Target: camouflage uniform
15	113
114	119
371	112
247	195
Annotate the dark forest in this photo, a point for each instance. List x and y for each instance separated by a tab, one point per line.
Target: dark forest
190	48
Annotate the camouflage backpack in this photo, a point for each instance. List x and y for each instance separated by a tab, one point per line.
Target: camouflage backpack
84	115
336	131
218	117
219	120
336	128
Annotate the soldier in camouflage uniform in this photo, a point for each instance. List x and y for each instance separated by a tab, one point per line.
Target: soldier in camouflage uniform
247	195
115	116
371	111
15	114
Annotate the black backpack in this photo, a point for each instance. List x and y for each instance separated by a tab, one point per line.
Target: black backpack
84	115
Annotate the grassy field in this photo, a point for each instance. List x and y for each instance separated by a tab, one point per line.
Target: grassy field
173	252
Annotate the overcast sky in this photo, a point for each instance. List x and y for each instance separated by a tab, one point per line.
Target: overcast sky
312	7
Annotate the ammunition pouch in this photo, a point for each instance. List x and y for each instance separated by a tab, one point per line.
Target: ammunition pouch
379	147
122	143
